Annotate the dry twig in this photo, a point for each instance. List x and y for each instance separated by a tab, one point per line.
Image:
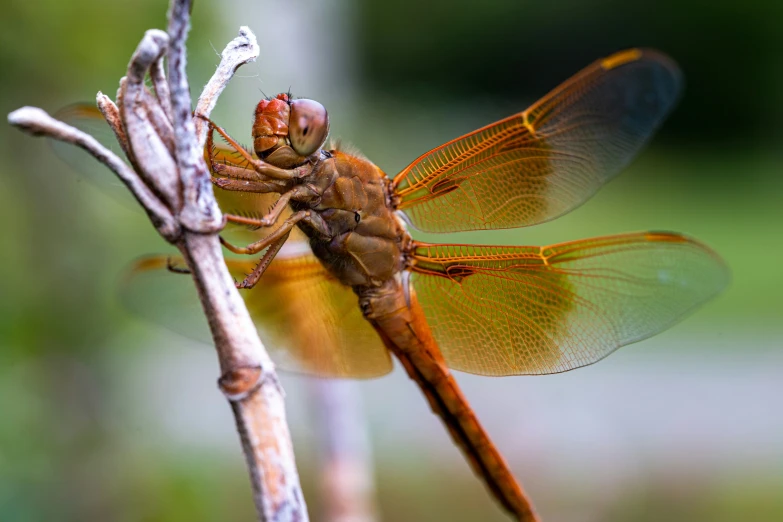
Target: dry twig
170	180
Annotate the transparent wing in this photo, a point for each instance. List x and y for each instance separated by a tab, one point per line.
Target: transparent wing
538	310
309	323
89	119
539	164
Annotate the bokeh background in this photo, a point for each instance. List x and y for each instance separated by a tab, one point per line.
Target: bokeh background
105	417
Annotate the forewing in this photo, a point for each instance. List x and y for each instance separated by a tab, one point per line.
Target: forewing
539	164
88	118
538	310
309	323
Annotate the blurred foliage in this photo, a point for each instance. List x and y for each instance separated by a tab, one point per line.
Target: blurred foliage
514	52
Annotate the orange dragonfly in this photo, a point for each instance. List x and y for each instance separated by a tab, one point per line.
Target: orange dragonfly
489	310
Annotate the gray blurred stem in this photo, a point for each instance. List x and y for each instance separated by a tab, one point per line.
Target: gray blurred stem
169	178
346	474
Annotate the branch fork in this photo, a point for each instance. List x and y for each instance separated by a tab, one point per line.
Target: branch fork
168	177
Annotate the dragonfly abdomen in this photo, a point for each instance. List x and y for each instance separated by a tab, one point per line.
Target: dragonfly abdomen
397	316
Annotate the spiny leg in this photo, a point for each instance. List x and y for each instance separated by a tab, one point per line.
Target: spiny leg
172	267
265	170
225	167
252	278
243	220
239	185
234	171
236	146
273	215
258	246
273	243
269	219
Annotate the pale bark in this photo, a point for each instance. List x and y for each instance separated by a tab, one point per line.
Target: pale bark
169	178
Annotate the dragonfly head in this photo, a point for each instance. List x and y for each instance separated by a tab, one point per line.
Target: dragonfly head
287	131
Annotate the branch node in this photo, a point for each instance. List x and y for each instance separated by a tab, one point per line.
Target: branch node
238	383
151	48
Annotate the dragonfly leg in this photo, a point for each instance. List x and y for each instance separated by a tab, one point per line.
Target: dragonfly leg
298	193
274	242
171	266
238	185
263	169
259	171
269	240
253	277
232	172
272	216
243	220
269	219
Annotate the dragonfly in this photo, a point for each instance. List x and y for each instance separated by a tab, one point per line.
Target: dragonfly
341	285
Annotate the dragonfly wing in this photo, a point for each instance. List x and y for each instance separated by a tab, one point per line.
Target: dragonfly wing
539	310
539	164
309	323
86	117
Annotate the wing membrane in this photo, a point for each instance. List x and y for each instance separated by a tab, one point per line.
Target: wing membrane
88	118
310	324
539	164
539	310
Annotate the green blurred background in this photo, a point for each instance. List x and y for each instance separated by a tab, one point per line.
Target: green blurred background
103	417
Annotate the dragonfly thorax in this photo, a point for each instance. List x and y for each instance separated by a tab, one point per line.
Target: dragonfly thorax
366	241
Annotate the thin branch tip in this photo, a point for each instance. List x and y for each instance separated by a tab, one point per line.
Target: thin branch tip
159	36
246	39
241	50
31	120
150	49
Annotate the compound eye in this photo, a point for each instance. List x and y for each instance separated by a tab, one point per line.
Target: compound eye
308	126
